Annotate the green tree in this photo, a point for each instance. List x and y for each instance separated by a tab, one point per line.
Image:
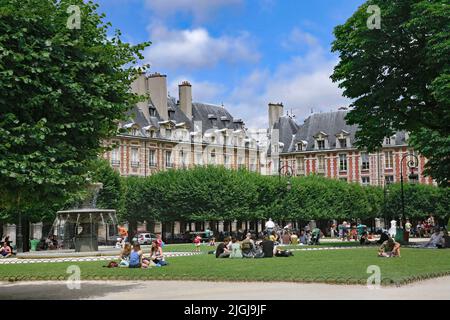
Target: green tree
62	91
399	76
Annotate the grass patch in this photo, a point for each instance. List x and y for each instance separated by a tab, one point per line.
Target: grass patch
335	267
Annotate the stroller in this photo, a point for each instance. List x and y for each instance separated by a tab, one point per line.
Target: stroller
315	239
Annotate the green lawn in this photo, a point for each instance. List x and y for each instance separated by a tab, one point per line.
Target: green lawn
341	266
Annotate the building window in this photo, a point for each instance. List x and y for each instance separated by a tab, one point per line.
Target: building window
168	159
387	141
134	157
152	158
212	157
169	133
343	143
199	158
241	164
388	159
389	179
152	112
182	156
134	132
321	144
342	162
365	164
226	160
115	157
301	165
299	146
365	181
152	133
321	163
252	165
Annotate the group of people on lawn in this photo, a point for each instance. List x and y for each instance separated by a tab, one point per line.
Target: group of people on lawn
249	248
132	256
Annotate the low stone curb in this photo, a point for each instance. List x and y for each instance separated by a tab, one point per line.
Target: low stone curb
86	259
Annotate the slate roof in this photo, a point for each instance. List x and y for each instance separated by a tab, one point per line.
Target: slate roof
211	116
330	123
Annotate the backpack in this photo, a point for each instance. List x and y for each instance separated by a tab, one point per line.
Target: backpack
246	245
112	264
283	253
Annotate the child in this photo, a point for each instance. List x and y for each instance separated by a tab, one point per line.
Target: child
197	242
156	254
5	251
136	260
212	242
125	256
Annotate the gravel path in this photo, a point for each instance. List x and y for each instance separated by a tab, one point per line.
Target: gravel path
433	289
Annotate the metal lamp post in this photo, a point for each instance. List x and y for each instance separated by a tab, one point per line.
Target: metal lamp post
412	163
288	173
19	237
386	193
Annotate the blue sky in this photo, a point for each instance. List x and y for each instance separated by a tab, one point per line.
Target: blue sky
242	53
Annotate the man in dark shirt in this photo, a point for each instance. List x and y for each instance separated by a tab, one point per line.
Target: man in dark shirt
267	247
222	249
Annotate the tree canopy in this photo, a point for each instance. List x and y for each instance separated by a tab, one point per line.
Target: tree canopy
398	76
62	91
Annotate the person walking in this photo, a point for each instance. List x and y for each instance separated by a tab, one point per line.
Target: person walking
408	227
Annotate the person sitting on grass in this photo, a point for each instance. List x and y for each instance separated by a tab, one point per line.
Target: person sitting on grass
364	240
248	247
159	240
268	247
389	248
274	237
212	242
125	256
5	250
437	240
222	250
156	254
197	243
236	252
136	260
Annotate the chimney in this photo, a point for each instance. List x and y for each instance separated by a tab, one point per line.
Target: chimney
157	86
139	86
275	112
185	96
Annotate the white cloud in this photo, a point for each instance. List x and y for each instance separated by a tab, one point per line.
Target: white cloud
300	39
302	83
195	48
200	9
202	91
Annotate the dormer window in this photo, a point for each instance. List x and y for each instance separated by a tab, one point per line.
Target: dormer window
389	141
321	144
300	146
152	112
343	139
152	133
168	133
321	141
134	131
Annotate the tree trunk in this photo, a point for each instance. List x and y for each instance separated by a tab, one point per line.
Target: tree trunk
132	230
